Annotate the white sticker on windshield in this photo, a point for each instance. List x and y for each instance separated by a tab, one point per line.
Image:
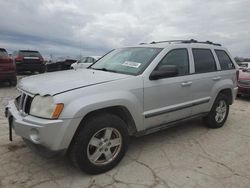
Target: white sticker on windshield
131	64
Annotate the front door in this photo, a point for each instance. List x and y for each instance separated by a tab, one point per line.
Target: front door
169	99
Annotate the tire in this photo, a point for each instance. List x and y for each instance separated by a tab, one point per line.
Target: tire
90	142
217	119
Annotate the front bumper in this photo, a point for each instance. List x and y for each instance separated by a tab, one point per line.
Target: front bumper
43	132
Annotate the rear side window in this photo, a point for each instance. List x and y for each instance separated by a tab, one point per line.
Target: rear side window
224	60
3	53
179	58
204	60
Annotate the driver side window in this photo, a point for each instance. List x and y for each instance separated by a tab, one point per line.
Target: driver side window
178	58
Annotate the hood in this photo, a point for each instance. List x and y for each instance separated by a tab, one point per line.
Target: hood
62	81
244	75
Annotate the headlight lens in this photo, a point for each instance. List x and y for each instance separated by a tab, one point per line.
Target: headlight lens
45	107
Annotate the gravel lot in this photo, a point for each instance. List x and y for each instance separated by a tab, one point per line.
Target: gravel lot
189	155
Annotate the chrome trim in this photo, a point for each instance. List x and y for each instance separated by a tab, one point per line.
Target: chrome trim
176	108
26	92
24	102
21	102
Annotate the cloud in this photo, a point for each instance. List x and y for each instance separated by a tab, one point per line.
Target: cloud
93	27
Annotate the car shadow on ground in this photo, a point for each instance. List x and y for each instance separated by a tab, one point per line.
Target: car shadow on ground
185	130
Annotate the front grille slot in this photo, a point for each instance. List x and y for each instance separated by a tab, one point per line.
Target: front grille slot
23	103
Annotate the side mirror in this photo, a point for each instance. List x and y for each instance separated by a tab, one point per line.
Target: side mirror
164	71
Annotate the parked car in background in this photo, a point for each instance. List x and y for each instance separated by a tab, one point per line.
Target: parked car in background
7	68
85	62
60	65
51	66
28	60
244	65
244	82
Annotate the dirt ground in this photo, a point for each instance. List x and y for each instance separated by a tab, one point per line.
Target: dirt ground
188	155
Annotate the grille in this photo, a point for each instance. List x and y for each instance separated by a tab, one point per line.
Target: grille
244	82
23	103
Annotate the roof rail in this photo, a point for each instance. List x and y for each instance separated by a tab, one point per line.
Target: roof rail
166	41
186	41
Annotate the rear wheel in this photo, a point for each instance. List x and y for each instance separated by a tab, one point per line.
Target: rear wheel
100	144
219	112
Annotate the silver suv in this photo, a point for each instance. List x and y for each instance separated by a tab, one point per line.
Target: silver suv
131	91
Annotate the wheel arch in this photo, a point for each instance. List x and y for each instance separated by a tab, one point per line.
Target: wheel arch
120	111
228	93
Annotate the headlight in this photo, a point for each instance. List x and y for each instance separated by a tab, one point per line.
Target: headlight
45	107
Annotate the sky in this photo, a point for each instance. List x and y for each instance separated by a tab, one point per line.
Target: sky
94	27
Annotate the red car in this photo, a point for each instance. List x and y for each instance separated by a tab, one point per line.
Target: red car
7	68
244	82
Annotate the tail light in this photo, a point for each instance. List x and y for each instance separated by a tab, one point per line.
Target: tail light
41	59
19	58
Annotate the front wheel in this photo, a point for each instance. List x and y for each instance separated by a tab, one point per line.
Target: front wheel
219	112
100	143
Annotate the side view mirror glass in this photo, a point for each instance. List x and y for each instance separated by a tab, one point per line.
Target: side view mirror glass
164	71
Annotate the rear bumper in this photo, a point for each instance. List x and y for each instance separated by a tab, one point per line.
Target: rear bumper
244	90
30	67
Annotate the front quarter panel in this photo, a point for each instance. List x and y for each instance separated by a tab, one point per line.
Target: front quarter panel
78	103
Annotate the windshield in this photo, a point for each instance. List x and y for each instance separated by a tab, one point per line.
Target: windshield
131	61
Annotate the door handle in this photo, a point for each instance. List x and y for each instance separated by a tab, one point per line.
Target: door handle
217	78
183	84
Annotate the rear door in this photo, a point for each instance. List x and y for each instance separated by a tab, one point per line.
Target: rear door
168	99
204	77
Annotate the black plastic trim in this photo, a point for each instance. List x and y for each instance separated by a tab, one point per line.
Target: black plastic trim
176	108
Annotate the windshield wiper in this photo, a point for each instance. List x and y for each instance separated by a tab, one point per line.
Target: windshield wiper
103	69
